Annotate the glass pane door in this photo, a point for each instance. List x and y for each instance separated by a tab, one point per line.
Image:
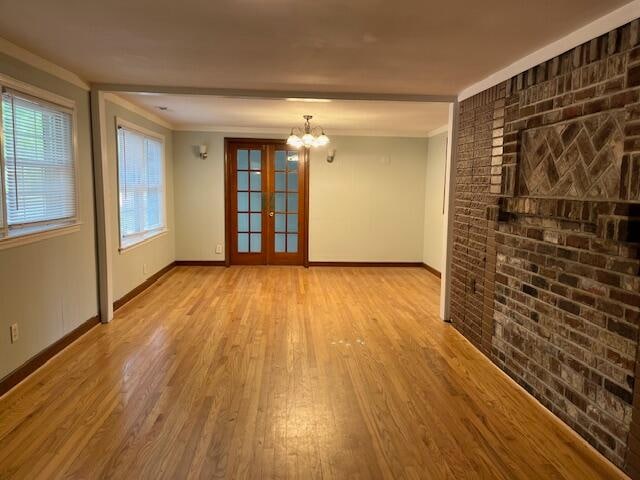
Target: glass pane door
287	205
248	164
286	201
266	202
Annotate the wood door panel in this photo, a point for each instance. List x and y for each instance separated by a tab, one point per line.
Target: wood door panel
246	223
275	233
287	204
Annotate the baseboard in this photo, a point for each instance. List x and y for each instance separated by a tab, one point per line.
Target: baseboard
432	270
142	287
199	263
557	420
365	264
31	365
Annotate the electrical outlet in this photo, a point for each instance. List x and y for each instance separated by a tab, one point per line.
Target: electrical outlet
144	268
15	333
218	248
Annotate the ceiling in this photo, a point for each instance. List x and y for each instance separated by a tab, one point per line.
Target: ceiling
366	46
257	115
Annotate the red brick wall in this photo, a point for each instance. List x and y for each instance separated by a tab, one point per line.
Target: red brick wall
546	264
480	132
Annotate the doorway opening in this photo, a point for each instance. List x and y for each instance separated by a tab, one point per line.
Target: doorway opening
266	202
237	194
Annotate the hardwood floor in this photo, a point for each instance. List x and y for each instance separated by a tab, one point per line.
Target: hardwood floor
282	372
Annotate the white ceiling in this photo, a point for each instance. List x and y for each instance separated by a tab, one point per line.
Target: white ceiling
367	46
346	117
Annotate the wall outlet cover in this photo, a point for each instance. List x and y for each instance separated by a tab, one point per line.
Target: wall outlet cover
218	248
15	333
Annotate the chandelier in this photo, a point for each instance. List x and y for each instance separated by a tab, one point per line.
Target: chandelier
307	136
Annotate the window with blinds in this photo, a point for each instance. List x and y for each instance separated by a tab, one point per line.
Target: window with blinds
38	165
141	186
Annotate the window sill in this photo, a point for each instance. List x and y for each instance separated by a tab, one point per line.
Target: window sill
142	240
26	235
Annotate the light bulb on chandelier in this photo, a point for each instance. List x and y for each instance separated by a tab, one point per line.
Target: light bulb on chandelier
311	137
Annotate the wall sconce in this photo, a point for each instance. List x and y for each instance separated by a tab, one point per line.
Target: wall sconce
203	151
331	155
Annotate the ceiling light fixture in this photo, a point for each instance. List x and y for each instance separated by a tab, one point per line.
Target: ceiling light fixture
308	100
306	136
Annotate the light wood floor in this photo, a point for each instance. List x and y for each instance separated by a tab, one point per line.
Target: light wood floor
281	372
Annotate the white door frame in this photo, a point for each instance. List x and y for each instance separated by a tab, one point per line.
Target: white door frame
103	199
449	212
103	196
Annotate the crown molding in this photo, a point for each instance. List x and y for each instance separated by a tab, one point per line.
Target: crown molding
279	132
143	112
623	15
194	127
25	56
271	94
443	129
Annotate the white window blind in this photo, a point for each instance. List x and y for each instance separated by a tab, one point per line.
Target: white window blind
141	185
39	170
3	230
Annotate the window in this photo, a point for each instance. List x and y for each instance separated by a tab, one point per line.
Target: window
38	187
140	185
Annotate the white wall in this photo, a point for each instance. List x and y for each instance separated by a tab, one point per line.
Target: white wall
433	200
199	199
158	252
358	204
368	205
199	194
50	287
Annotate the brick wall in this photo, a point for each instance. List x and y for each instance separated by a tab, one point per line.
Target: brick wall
480	133
546	264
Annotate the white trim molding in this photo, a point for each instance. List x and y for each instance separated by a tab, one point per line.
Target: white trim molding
15	235
196	127
126	243
604	24
121	122
138	110
143	240
448	214
37	92
277	132
19	53
270	94
102	205
35	234
438	131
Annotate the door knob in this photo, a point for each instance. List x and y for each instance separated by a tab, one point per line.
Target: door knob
271	214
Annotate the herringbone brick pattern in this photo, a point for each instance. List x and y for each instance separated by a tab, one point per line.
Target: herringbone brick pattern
578	159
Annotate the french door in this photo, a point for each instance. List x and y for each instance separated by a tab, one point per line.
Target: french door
266	203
